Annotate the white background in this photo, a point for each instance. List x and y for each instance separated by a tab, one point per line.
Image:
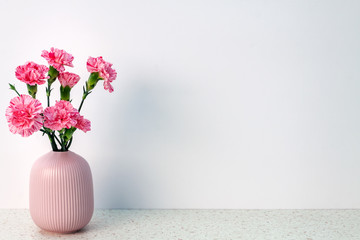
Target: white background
217	104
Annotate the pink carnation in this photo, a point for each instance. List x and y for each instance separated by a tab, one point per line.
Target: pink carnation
64	115
58	58
68	79
32	73
23	115
108	74
95	64
104	69
83	124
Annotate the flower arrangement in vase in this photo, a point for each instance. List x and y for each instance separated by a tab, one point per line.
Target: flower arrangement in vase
61	188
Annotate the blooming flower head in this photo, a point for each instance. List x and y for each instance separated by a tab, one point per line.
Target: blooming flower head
82	123
60	116
23	115
32	73
58	58
68	79
105	70
64	115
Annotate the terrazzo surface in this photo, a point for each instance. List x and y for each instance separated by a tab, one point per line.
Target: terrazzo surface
196	225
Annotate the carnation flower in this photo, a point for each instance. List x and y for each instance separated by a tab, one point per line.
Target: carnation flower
83	124
32	73
108	74
105	70
68	79
58	58
23	115
95	64
64	115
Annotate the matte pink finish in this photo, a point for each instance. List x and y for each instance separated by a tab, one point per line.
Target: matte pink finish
61	192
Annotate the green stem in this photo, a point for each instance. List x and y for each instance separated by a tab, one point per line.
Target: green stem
68	146
53	74
82	102
85	94
48	91
17	93
12	87
89	85
51	136
52	142
61	135
57	139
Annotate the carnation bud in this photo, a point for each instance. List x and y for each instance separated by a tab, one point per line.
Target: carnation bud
12	87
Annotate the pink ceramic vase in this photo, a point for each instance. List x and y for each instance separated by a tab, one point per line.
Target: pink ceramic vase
61	192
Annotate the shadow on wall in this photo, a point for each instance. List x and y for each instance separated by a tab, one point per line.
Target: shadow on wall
147	120
122	184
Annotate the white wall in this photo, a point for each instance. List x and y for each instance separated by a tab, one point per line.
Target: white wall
217	104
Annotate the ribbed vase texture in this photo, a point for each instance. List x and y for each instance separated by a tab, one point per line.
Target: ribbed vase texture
61	192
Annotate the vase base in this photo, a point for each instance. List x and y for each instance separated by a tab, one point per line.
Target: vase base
60	232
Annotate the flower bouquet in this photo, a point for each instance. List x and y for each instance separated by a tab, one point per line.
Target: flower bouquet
61	187
25	115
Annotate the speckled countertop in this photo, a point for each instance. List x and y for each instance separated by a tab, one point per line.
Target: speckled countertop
196	225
